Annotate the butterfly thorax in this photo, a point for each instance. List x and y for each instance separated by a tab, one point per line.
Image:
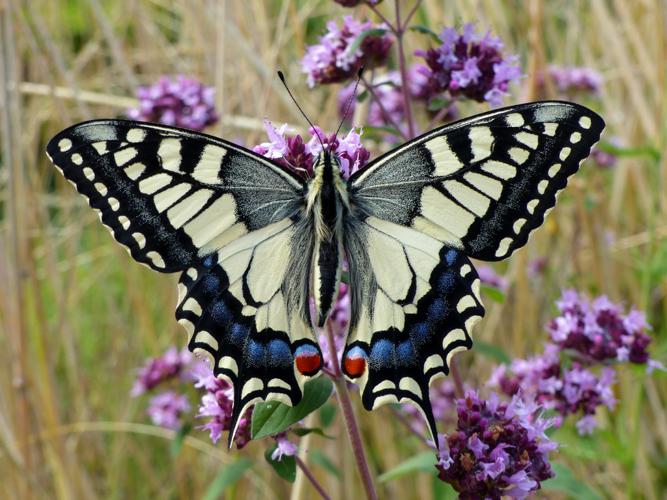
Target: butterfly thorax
326	205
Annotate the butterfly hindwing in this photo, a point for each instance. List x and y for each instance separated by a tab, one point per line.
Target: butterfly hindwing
414	303
243	307
484	183
230	221
475	188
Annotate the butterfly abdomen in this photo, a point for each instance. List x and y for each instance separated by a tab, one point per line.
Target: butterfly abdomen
327	210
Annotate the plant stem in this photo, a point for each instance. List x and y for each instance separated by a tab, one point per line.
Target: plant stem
385	113
306	471
456	376
350	420
399	32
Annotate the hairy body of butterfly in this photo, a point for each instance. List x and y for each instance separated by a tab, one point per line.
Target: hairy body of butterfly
254	242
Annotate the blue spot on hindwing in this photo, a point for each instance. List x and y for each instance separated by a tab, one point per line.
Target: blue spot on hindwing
208	262
420	333
211	284
382	354
237	334
280	354
450	257
437	309
255	352
220	313
405	353
446	282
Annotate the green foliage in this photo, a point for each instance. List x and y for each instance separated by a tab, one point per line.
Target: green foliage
273	417
285	467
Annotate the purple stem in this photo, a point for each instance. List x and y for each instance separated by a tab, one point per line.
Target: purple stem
306	471
350	421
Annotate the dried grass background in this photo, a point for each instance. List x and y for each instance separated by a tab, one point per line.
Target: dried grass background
78	316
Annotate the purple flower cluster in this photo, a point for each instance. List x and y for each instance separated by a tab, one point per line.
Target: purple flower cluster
572	79
568	391
467	65
297	155
183	102
172	364
167	408
498	449
332	61
216	405
598	330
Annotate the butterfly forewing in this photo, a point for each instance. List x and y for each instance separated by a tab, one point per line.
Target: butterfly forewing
475	188
229	220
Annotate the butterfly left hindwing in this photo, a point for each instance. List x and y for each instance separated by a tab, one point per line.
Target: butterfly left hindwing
475	188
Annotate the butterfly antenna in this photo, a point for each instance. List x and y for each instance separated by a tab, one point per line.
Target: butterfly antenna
350	99
282	79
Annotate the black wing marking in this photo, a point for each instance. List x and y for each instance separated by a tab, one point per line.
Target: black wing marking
484	183
414	304
172	196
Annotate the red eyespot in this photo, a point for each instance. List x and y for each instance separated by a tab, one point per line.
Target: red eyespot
354	363
308	360
354	367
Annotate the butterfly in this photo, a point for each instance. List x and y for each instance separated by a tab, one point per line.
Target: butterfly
254	242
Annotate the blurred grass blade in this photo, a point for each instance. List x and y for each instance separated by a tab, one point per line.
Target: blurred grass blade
424	462
566	482
227	477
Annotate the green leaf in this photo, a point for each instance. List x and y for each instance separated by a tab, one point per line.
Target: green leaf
566	481
285	467
635	152
228	476
319	458
273	417
424	462
492	351
177	443
354	46
443	490
372	131
495	294
302	431
425	30
327	414
437	103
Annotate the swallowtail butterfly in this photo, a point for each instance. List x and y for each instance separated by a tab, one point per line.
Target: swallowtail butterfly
253	241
